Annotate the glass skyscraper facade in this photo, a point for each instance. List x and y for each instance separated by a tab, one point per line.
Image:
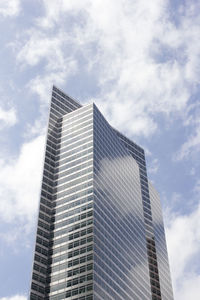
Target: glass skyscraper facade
100	231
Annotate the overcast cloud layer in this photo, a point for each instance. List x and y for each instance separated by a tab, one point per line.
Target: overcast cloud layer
139	62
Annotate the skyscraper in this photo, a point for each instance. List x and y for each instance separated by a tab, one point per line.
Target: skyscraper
100	232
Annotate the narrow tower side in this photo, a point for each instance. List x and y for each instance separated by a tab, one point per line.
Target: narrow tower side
61	104
161	247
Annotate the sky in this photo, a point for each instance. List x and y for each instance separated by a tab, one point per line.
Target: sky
139	61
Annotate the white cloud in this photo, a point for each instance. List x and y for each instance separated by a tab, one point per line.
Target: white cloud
140	86
190	288
190	147
192	172
54	11
9	8
153	166
47	49
42	84
40	46
196	189
182	234
8	118
20	185
130	46
16	297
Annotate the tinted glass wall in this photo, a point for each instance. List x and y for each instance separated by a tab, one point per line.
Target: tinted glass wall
100	233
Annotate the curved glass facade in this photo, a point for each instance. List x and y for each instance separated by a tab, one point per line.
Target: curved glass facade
97	237
120	257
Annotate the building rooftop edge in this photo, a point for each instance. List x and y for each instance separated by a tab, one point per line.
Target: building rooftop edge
54	88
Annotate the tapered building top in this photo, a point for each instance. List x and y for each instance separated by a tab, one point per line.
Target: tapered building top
100	232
